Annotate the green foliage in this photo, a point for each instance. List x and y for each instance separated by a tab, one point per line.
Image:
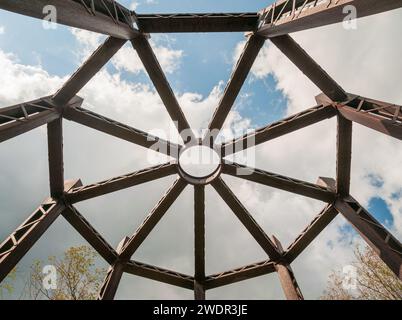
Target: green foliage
78	278
375	281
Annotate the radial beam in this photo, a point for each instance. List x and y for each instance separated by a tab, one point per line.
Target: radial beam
240	274
246	218
377	115
119	183
319	223
197	22
199	242
121	131
113	276
309	67
279	128
155	72
388	248
239	76
152	219
159	274
278	181
286	277
287	16
88	70
26	235
85	229
24	117
102	16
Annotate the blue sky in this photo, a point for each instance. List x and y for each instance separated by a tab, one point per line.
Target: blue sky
207	59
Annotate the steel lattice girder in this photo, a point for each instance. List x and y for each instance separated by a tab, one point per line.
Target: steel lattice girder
279	19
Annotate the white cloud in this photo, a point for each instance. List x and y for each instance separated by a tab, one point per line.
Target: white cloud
2	29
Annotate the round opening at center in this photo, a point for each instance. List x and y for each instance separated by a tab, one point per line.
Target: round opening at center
199	161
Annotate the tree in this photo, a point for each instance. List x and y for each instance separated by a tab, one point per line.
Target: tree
7	286
374	280
74	277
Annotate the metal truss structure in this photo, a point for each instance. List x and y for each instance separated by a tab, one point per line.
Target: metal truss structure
271	24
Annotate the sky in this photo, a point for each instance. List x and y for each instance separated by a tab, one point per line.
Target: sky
35	62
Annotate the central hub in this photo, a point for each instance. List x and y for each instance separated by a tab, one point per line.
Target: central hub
199	164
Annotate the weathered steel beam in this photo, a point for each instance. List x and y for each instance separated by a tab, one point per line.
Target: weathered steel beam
287	278
152	219
119	183
85	229
121	131
279	128
113	276
55	154
162	86
26	235
239	76
285	16
102	16
388	248
309	67
240	274
159	274
377	115
199	242
88	70
197	22
319	223
21	118
273	180
246	218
